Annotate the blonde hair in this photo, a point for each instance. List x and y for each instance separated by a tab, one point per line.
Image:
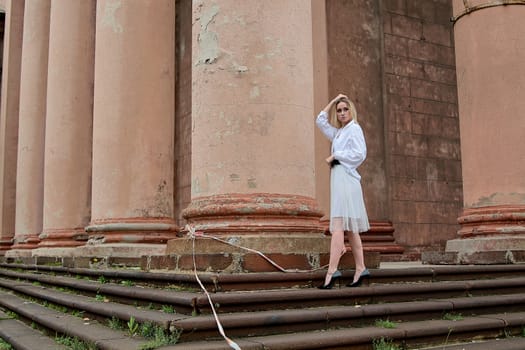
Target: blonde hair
333	115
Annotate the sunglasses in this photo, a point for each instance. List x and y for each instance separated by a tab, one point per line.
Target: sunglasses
344	109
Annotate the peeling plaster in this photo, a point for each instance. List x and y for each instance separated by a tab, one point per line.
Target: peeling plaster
255	92
208	40
235	177
108	19
252	182
498	198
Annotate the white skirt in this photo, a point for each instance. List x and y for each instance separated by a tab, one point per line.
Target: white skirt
347	206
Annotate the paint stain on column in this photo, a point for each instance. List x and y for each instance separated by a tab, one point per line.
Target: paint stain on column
252	182
109	19
208	40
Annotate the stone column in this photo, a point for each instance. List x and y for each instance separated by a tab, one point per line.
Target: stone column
133	132
31	135
492	124
253	123
67	169
12	52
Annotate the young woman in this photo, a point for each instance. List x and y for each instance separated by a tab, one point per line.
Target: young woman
347	207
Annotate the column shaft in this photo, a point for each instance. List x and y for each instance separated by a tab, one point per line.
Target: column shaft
67	170
252	111
9	119
31	135
133	162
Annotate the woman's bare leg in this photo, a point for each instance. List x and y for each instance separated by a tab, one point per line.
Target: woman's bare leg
357	252
337	249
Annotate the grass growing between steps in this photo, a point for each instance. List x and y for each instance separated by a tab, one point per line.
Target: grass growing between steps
385	344
385	324
4	345
74	343
155	335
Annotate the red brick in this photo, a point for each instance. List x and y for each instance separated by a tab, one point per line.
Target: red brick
398	85
256	263
438	34
409	189
442	191
396	102
396	6
403	211
443	148
419	123
443	12
440	74
387	23
422	50
433	212
396	45
405	67
205	261
429	169
407	27
424	10
452	170
450	128
445	56
403	121
398	167
433	107
411	144
433	91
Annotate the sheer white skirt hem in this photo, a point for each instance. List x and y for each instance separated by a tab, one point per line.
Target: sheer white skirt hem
347	206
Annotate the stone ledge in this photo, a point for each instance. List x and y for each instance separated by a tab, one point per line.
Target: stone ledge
250	262
475	258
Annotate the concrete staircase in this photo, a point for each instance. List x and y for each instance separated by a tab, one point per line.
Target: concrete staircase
400	307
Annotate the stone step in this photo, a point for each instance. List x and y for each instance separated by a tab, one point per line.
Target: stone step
23	337
259	318
412	335
191	303
276	321
87	330
216	282
512	343
101	309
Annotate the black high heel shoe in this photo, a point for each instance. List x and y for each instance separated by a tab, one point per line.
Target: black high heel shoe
363	275
335	277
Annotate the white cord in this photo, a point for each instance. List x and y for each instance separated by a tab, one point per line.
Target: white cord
230	342
193	235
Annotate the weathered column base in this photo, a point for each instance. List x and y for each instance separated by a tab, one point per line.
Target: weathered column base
131	230
261	213
488	235
30	241
5	245
62	238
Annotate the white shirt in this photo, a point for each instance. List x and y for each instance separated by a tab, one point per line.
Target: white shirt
348	143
